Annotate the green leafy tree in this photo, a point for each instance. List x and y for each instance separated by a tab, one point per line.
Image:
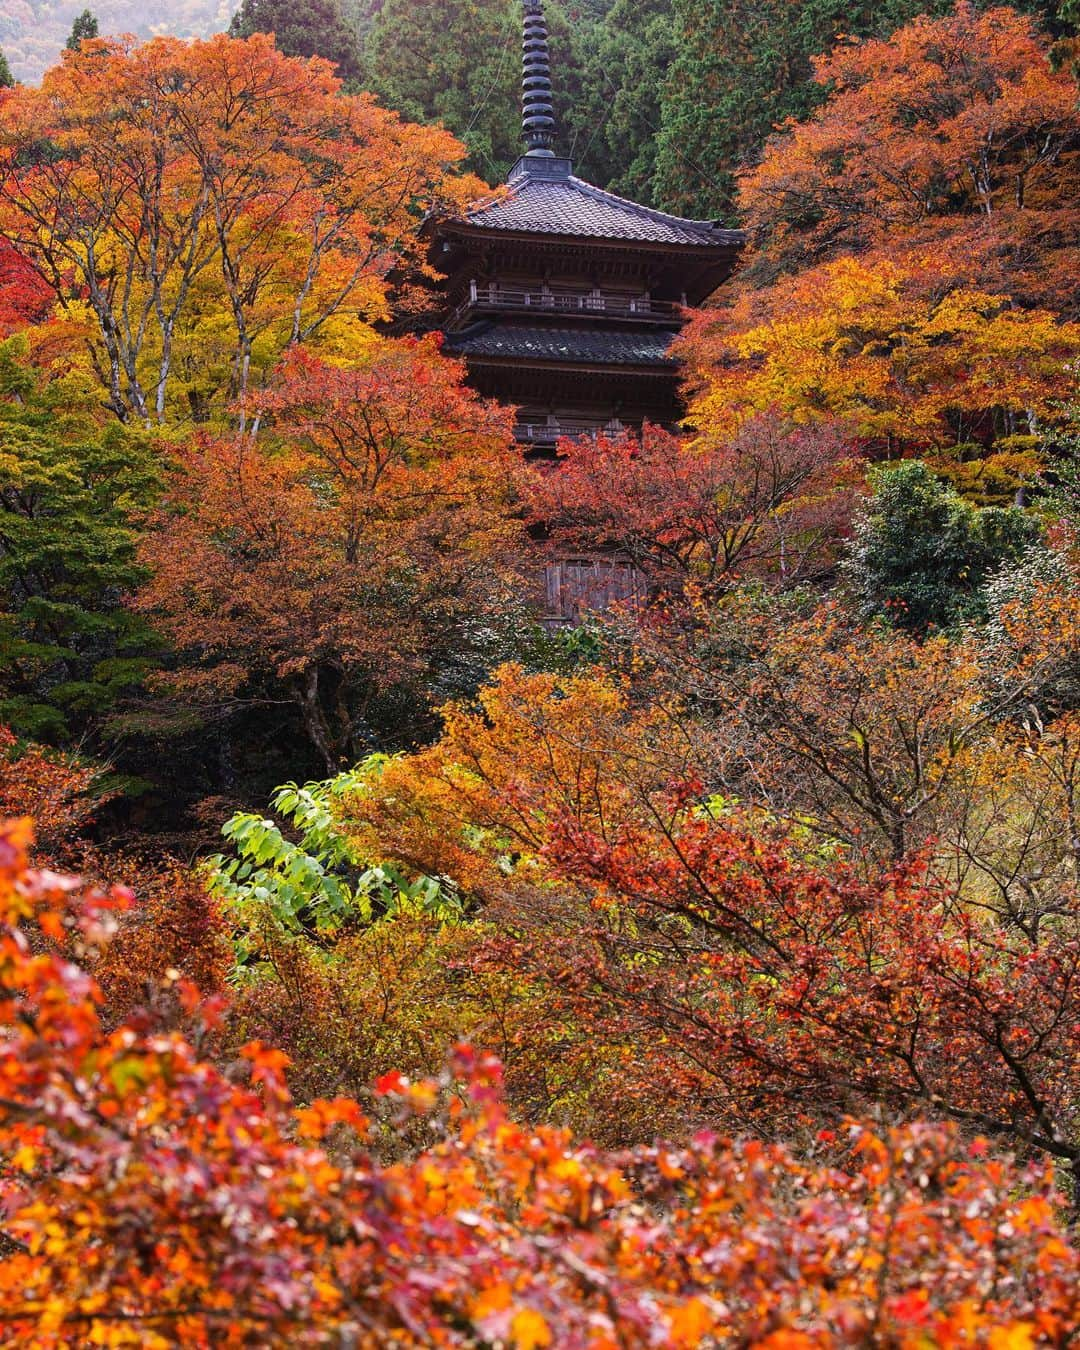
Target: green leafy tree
7	80
304	28
84	28
305	877
72	496
921	555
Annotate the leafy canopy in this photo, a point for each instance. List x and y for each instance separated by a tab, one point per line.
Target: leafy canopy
921	554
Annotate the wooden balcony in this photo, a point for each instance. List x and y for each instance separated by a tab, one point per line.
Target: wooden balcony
494	298
553	429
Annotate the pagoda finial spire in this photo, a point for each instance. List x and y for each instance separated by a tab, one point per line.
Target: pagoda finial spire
537	110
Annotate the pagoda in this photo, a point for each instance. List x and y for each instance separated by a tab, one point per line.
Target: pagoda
564	299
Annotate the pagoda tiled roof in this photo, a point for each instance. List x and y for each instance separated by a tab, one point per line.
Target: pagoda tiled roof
587	346
545	202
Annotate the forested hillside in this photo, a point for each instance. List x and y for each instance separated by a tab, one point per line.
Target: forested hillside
662	100
389	961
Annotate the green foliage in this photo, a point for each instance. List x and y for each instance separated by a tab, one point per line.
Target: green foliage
459	62
73	496
304	28
306	878
455	62
7	80
921	554
628	53
83	29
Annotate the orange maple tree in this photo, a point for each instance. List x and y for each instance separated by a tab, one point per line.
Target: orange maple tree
239	202
956	133
914	243
339	552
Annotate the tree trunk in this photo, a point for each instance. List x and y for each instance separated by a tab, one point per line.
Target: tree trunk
314	718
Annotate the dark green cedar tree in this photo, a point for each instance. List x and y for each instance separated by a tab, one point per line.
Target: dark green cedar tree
83	29
921	555
305	28
458	62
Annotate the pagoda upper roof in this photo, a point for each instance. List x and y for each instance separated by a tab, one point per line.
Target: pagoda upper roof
544	197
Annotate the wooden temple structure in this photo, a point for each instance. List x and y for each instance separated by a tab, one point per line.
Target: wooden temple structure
564	299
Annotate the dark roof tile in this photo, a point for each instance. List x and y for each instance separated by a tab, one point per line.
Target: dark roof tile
600	346
570	206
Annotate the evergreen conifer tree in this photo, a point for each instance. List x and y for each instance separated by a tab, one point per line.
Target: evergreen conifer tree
304	28
84	28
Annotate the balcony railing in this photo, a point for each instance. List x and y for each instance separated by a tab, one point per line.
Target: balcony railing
554	429
552	300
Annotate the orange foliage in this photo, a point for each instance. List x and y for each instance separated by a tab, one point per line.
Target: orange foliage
955	137
800	970
54	787
172	931
150	1200
238	203
538	748
340	558
883	347
915	244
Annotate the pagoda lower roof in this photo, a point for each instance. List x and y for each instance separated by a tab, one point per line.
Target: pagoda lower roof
576	346
545	197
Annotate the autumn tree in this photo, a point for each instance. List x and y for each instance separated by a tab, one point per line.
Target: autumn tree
954	131
25	298
173	931
757	967
742	70
885	348
296	204
861	734
59	789
769	501
1005	842
349	550
914	242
